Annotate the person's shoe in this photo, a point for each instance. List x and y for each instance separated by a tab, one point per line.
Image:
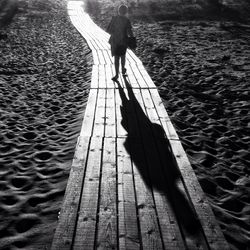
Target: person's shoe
124	71
114	78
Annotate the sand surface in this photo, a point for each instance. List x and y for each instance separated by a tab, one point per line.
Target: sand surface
45	69
202	71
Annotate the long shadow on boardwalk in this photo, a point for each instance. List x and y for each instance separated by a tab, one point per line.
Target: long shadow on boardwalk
151	154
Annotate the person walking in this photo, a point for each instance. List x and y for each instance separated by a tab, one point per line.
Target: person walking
119	29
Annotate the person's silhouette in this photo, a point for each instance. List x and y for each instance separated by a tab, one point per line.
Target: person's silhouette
119	28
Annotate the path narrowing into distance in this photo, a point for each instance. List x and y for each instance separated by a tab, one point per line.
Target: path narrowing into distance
131	185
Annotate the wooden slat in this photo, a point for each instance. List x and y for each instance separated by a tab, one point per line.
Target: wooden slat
109	74
131	77
146	76
87	215
95	57
99	122
110	127
139	77
120	119
164	118
107	224
128	223
132	58
159	106
87	125
141	114
101	57
150	108
121	79
68	215
128	100
94	77
107	57
102	76
150	231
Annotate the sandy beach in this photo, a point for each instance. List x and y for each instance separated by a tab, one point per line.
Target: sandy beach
45	69
202	71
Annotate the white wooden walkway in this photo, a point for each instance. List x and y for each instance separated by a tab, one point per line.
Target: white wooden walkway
131	185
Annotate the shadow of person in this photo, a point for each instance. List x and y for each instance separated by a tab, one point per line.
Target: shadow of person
150	152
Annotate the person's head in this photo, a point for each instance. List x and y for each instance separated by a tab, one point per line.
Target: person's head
122	10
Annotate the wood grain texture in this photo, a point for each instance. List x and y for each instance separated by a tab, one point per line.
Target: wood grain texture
99	122
110	123
149	227
107	224
87	214
128	223
87	125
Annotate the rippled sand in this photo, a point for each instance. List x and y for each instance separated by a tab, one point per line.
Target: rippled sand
44	81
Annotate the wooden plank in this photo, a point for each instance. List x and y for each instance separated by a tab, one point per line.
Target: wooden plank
107	224
68	215
146	76
131	77
94	77
95	57
159	106
101	57
109	74
107	56
87	215
120	79
121	118
128	223
87	125
139	77
211	229
134	57
110	127
128	111
102	76
106	44
170	231
130	57
141	114
99	122
149	227
150	109
164	118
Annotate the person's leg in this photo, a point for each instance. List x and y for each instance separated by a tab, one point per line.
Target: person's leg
117	58
123	61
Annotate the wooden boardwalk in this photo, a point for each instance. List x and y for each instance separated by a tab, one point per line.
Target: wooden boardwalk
131	185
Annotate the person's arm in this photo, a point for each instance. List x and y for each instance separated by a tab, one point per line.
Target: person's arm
110	26
129	29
